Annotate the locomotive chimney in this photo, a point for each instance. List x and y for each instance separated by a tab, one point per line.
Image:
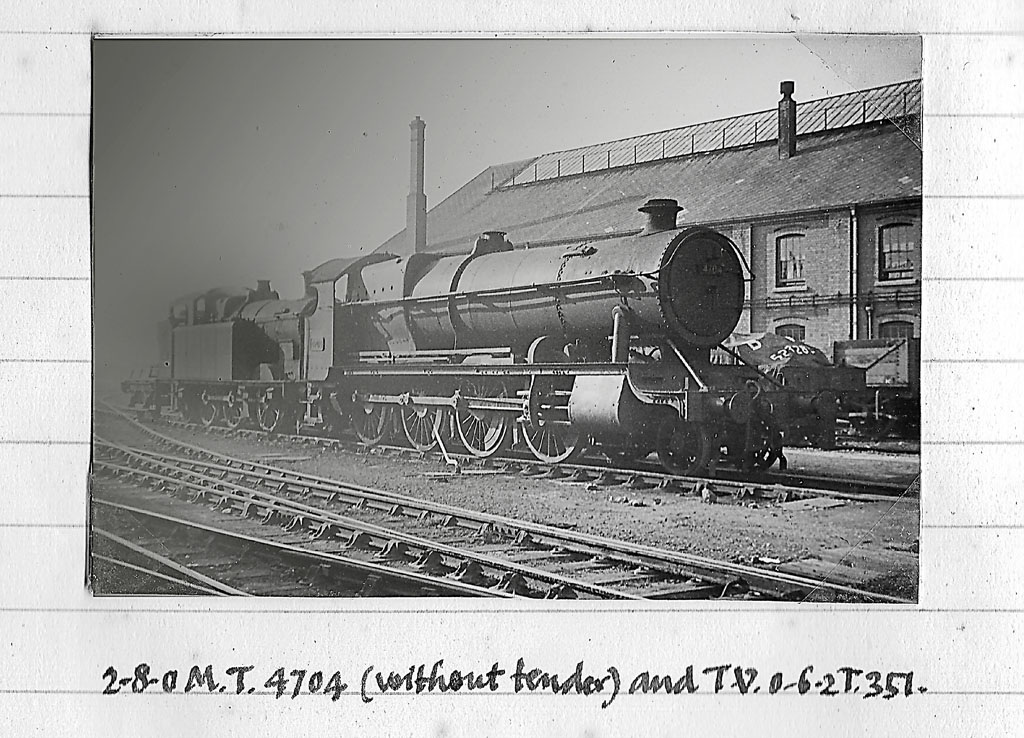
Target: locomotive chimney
787	121
263	286
661	215
491	242
416	205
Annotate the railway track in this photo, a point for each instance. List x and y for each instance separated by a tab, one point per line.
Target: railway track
497	555
636	475
135	559
180	545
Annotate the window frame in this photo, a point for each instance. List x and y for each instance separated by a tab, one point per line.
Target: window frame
885	276
791	324
791	283
897	320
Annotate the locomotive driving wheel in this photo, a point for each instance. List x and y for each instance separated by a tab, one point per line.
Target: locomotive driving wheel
371	423
232	413
553	444
419	424
152	406
333	415
189	405
482	432
683	448
546	427
767	447
207	412
273	416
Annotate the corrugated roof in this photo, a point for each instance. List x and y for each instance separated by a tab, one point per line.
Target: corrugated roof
862	164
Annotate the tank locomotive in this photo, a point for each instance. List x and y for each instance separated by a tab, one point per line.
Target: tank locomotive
600	344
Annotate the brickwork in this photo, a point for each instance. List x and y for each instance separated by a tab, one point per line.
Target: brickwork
887	300
821	304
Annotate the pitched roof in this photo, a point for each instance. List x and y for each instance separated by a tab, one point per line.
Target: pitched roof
868	163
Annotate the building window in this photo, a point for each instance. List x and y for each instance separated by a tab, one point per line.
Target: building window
789	260
791	330
896	329
897	250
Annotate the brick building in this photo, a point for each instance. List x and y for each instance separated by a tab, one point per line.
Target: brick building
822	197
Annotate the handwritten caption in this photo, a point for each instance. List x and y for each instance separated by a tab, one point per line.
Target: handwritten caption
422	678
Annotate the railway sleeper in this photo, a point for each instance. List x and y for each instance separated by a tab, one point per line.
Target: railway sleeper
470	572
394	551
433	562
515	583
561	592
360	540
324	530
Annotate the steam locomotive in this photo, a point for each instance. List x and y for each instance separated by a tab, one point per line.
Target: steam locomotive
606	345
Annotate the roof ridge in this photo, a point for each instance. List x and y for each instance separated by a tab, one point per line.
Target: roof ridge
852	108
729	118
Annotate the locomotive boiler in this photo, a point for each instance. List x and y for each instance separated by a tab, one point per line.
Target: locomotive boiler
601	343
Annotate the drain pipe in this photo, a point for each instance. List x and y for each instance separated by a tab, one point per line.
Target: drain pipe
854	257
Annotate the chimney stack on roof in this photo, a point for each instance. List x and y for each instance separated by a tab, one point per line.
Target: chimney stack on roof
416	205
787	121
661	215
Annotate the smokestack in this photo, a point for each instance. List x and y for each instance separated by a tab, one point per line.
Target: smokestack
416	205
661	215
787	121
491	242
264	291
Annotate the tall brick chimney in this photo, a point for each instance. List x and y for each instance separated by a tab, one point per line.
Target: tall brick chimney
787	121
416	205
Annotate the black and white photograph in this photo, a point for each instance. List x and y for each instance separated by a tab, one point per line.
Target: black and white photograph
614	318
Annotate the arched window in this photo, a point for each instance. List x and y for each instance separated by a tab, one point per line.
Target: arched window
789	260
791	330
897	251
896	329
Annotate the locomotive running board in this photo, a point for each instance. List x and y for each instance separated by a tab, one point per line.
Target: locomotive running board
478	370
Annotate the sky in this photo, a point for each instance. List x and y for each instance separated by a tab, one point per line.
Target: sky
220	162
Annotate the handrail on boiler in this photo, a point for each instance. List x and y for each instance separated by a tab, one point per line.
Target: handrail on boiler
690	369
